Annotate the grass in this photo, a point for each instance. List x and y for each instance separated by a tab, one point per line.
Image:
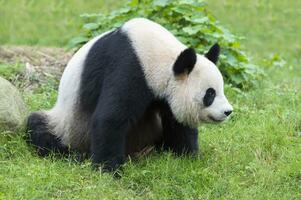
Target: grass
255	155
42	22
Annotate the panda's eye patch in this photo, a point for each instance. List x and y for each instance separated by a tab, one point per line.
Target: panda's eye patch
209	97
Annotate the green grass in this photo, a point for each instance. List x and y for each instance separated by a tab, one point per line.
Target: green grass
43	22
255	155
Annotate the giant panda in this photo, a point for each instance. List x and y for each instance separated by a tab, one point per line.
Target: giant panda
130	88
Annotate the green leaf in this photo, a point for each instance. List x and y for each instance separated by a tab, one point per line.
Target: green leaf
191	30
185	10
91	26
195	3
161	3
200	20
133	3
237	78
77	41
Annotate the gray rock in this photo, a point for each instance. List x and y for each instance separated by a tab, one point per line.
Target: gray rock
13	110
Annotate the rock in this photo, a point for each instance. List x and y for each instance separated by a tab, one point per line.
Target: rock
13	110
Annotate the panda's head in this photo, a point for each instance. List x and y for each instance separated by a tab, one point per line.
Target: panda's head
196	90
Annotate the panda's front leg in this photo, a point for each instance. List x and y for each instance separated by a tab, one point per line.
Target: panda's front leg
177	137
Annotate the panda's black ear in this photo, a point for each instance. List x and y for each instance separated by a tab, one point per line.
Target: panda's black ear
213	53
185	62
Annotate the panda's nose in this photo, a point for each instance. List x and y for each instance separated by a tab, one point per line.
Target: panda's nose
228	112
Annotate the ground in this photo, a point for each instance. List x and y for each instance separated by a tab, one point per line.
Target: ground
255	155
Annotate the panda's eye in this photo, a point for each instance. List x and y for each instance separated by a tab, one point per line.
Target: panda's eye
209	97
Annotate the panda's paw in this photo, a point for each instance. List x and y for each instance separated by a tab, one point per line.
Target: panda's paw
109	166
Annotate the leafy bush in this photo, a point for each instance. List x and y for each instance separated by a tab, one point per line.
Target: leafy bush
191	23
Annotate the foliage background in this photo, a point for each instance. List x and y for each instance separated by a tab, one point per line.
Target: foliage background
192	23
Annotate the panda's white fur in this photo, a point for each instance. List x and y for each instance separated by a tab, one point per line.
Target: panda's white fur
157	50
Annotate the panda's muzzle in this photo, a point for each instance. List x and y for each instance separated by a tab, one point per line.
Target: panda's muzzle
226	115
216	120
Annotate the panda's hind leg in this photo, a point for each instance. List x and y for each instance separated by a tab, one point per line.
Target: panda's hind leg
39	135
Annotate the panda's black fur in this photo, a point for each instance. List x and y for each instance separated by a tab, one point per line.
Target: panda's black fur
116	97
41	137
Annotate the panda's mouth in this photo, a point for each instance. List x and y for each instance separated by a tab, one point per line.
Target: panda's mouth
215	120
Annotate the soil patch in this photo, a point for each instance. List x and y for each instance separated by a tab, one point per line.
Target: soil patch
42	60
